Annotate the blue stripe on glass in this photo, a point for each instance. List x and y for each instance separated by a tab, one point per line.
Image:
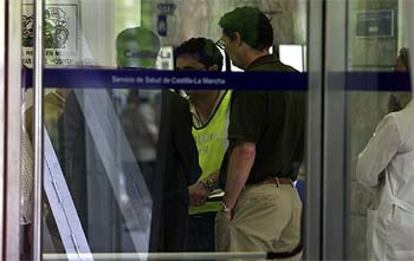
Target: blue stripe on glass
374	81
151	79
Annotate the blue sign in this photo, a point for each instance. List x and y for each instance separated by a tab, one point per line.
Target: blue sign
375	23
87	78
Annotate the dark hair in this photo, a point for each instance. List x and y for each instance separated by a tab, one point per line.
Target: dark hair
204	50
404	57
253	26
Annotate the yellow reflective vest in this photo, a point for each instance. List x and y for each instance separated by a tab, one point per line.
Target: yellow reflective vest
211	141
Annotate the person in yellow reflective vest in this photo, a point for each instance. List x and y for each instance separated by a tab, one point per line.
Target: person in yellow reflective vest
210	110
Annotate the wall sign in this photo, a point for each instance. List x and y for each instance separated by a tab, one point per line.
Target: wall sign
61	32
165	59
377	23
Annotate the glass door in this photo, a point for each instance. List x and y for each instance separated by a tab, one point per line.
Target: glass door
124	154
367	84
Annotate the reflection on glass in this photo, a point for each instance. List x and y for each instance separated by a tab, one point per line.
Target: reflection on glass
109	157
378	34
130	157
385	167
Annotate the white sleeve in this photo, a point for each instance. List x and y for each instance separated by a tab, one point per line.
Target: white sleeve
380	150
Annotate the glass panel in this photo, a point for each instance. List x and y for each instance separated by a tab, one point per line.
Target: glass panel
133	166
27	151
378	47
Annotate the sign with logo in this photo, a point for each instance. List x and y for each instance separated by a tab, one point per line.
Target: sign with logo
166	20
61	32
376	23
165	59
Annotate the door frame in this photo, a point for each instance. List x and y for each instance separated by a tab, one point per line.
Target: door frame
10	127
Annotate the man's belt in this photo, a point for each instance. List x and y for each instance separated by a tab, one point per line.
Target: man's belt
277	181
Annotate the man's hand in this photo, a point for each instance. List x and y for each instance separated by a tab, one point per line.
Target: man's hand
241	161
228	215
197	194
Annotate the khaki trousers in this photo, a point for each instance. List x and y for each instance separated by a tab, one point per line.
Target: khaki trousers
267	218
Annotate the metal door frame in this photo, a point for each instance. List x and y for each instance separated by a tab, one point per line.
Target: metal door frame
10	127
326	187
334	131
314	135
2	116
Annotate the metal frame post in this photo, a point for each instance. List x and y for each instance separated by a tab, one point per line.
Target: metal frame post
38	129
334	145
313	205
2	115
10	128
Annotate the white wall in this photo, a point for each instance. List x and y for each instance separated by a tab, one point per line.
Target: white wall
405	9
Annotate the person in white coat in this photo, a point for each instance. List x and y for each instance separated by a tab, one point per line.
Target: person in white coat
386	166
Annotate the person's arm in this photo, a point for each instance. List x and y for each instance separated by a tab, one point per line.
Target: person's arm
379	152
241	161
247	119
199	191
